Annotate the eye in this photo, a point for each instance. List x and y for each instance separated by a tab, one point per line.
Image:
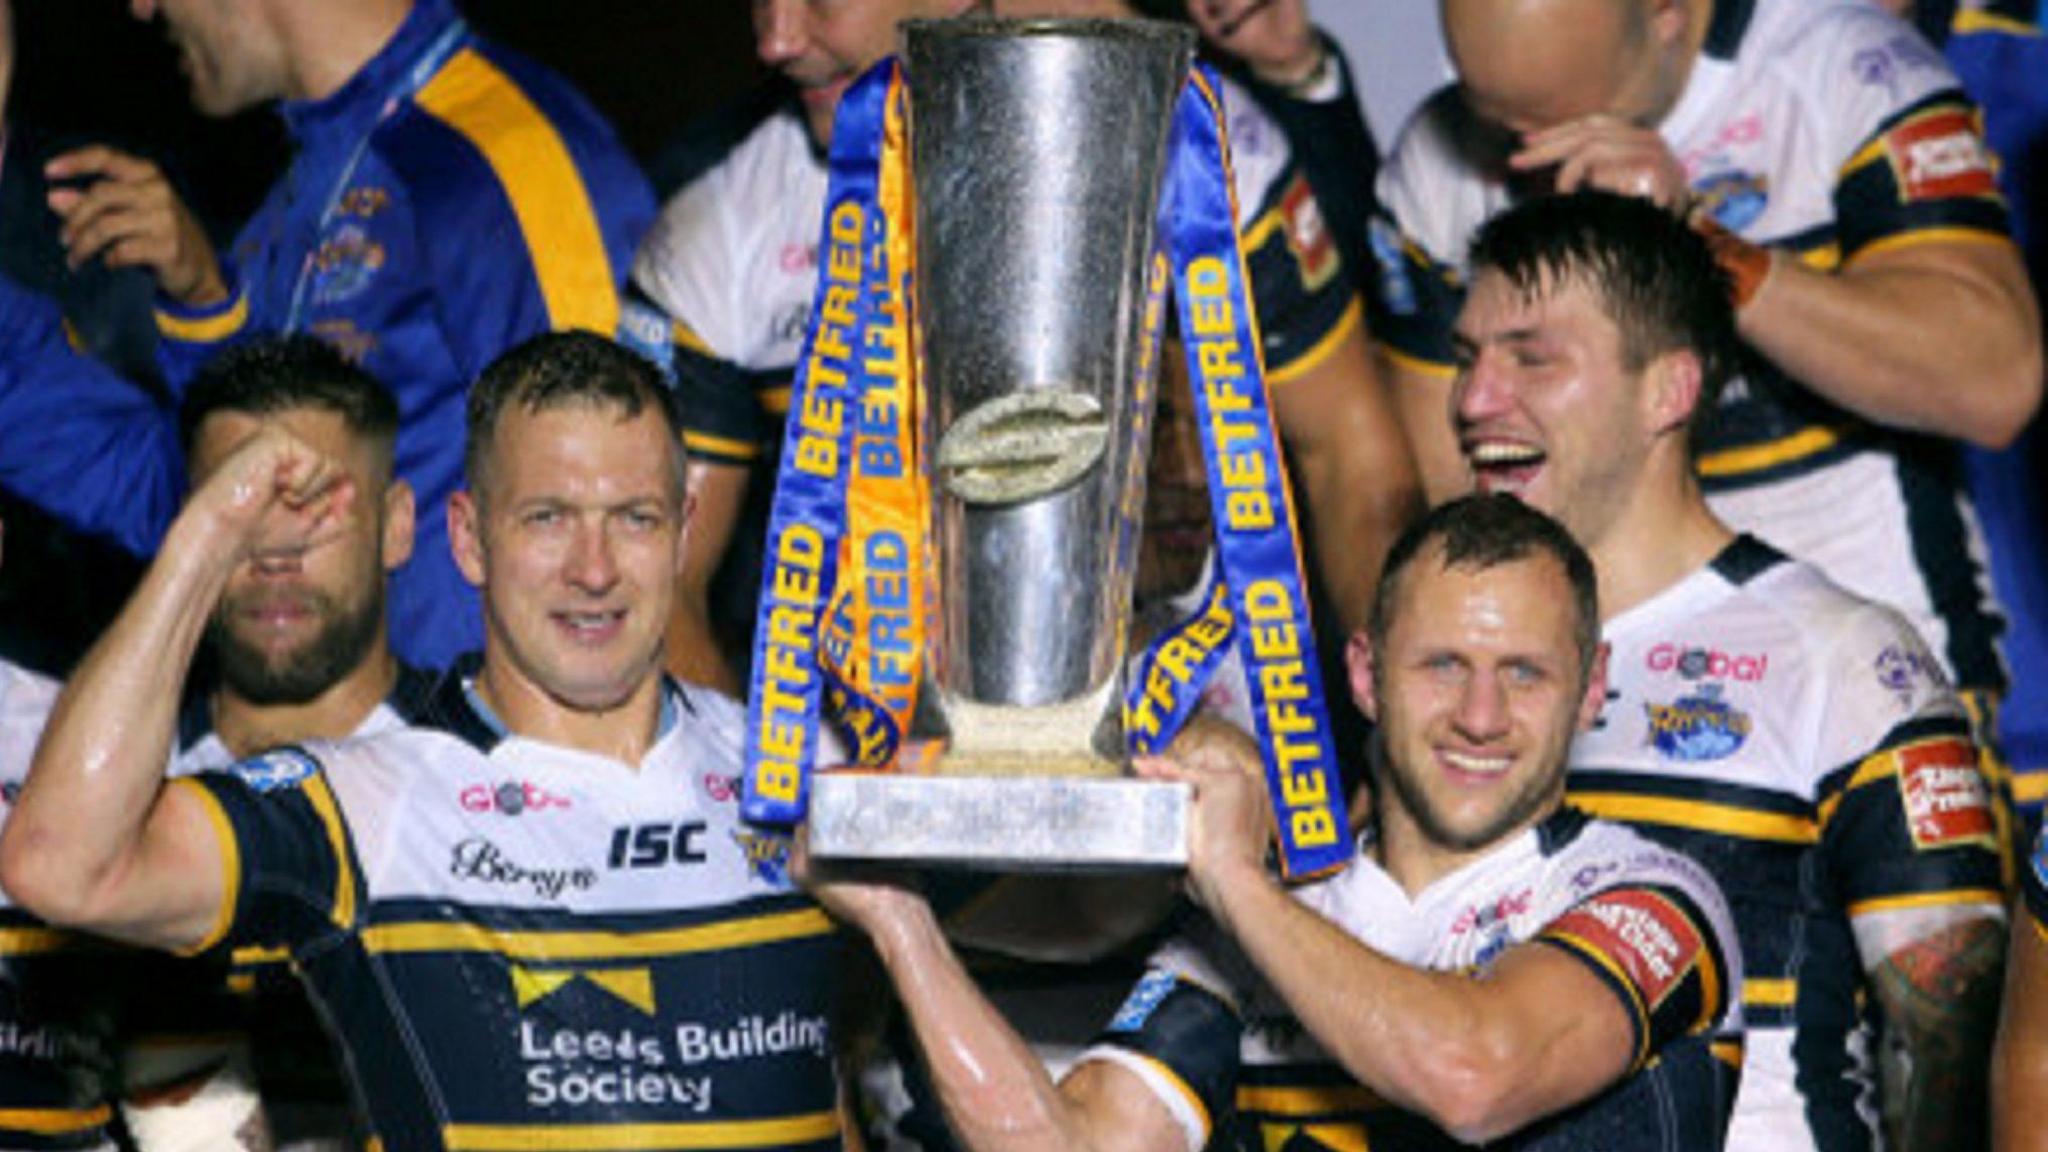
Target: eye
1523	674
543	516
642	519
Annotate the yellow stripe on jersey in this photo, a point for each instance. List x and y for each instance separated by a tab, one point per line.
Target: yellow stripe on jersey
1699	815
720	445
533	166
252	957
686	337
586	945
31	941
1728	1052
1302	365
1825	258
230	865
1320	1100
1948	235
1765	993
1770	454
54	1121
322	800
1636	1006
1912	900
205	329
1980	20
774	401
1417	364
804	1129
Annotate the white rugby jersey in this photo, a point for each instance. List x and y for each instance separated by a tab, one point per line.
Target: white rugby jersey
56	990
522	945
1203	1026
1804	745
1824	127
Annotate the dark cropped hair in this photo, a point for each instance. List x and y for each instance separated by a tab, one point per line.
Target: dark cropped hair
557	370
1654	274
1486	531
284	373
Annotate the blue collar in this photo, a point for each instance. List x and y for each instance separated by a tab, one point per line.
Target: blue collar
353	108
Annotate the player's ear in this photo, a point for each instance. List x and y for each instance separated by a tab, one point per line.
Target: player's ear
1596	688
400	514
1674	381
465	536
1358	661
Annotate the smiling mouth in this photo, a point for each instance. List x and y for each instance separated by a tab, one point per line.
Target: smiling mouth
1471	764
1504	465
591	627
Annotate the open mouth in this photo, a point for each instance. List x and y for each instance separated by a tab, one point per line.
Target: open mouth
591	627
1473	766
1504	465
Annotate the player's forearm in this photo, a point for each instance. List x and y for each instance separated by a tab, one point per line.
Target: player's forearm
996	1095
79	822
1951	352
2019	1060
1940	1001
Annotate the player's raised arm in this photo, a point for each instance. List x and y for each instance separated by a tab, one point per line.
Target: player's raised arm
97	841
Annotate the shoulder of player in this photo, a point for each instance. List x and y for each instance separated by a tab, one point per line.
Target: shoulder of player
1609	858
1842	55
1429	183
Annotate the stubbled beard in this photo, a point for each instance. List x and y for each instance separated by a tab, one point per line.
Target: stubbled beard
301	674
1414	799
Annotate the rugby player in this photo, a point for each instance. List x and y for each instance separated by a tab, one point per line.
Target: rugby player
1800	741
614	960
1490	966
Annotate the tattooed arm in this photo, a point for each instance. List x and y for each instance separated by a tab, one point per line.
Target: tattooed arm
1939	996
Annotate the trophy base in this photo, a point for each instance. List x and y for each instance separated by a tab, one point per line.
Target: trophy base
1005	823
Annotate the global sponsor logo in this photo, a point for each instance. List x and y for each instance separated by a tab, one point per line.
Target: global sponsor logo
1697	663
1699	728
512	798
482	861
1478	917
1947	804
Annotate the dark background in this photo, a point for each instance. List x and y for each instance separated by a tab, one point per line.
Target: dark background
87	68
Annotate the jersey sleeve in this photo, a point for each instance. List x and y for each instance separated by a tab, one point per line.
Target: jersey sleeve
76	440
1663	943
1906	817
1418	235
289	862
523	228
1914	164
1181	1040
685	268
1305	302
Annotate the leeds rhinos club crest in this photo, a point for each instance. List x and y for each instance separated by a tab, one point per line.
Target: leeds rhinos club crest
1697	727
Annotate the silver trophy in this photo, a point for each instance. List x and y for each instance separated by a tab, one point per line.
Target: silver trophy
1038	150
